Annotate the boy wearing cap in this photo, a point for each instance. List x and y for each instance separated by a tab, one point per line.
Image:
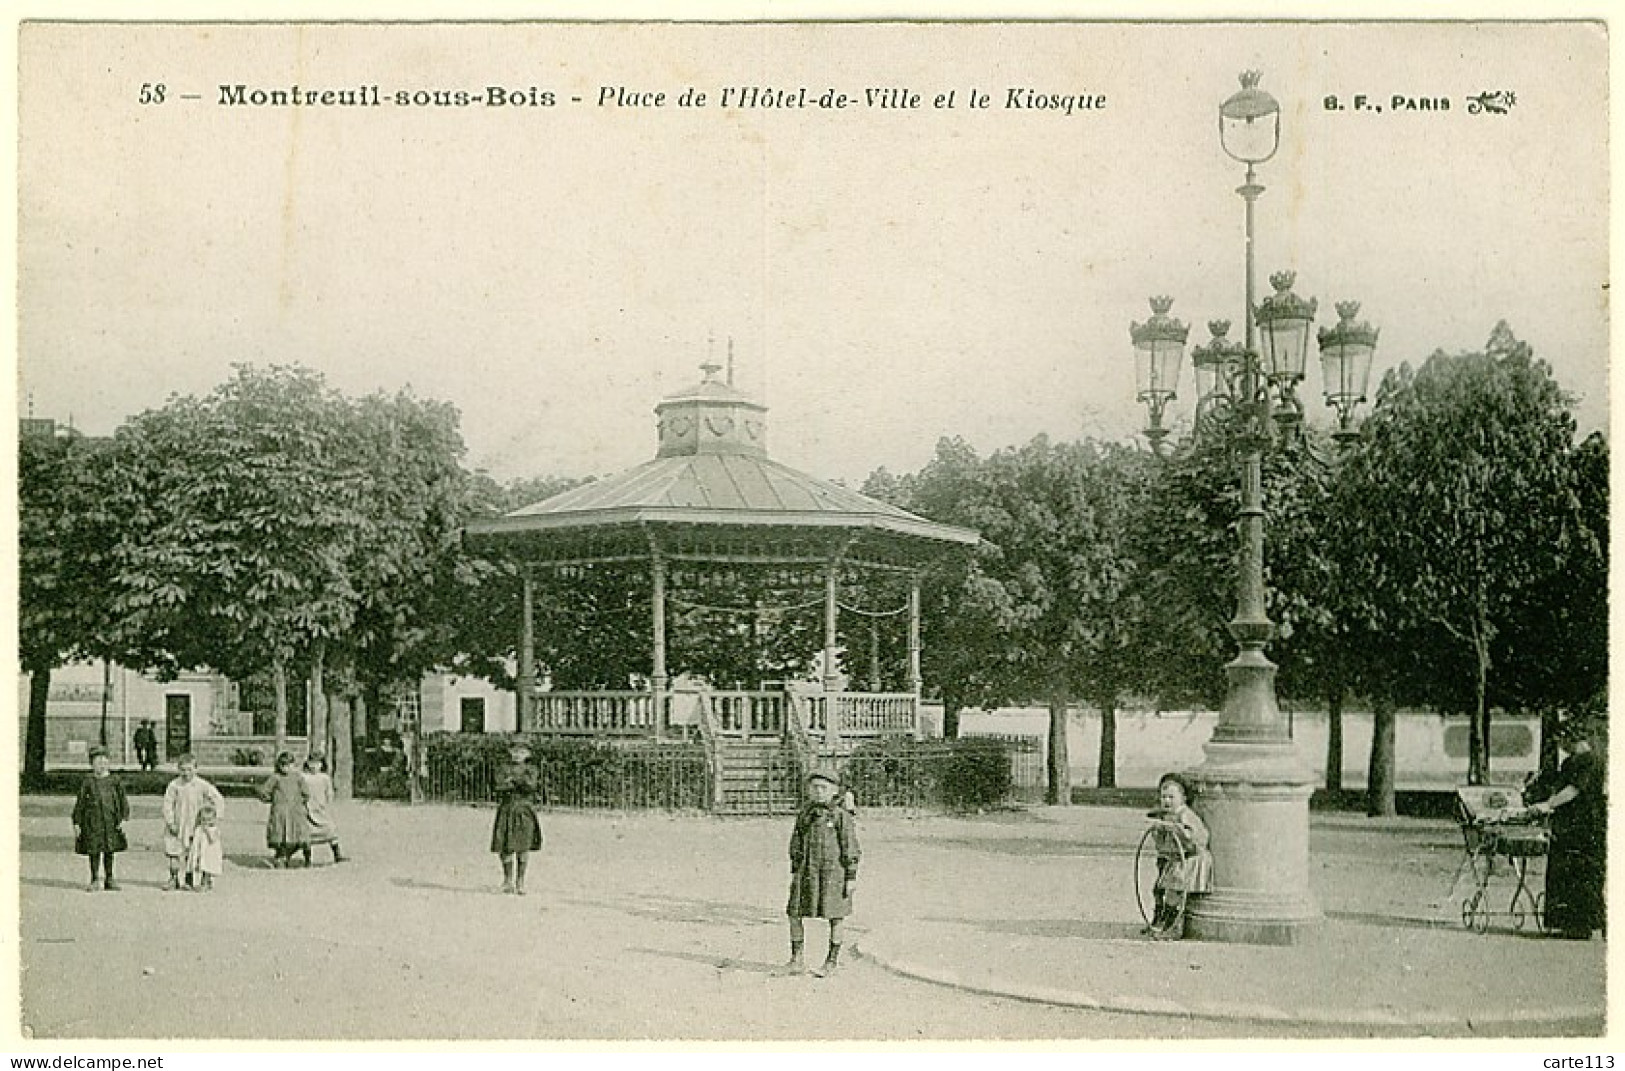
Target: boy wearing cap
824	857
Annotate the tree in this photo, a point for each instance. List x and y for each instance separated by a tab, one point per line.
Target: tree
1187	539
1461	506
1058	515
1552	658
275	525
65	534
962	607
242	512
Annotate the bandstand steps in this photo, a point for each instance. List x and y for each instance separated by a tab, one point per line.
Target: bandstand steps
758	778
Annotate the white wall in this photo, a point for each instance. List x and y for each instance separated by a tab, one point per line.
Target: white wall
1149	745
443	702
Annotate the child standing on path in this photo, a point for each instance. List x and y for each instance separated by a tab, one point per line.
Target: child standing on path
824	858
285	828
98	815
319	807
183	799
517	831
1184	864
206	857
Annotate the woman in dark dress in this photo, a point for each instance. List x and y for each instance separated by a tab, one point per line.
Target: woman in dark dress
98	815
1578	856
517	831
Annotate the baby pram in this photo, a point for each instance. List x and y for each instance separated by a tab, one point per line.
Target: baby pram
1498	835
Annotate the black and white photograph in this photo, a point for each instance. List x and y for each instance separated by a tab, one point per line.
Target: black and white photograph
876	530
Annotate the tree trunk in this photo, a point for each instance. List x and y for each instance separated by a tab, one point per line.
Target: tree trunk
1379	781
279	689
107	692
1334	740
1106	775
316	723
39	693
1548	741
1059	793
1482	706
341	758
371	704
952	704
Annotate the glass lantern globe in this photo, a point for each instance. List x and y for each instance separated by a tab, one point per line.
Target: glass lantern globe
1345	363
1250	122
1159	350
1284	320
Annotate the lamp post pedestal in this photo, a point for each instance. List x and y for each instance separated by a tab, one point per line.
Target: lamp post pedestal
1253	791
1254	797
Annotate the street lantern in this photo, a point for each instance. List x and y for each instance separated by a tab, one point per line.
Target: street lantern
1159	349
1250	122
1215	365
1345	365
1284	320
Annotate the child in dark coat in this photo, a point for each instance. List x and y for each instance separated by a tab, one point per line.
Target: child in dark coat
824	858
286	830
98	814
517	831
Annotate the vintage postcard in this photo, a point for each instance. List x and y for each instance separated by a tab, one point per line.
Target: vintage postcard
672	399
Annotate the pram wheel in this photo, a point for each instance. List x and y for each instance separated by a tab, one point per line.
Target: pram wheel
1475	914
1146	873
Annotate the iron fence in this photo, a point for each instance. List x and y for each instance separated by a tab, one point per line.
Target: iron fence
573	773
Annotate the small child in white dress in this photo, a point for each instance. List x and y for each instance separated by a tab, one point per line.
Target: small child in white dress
205	857
1184	864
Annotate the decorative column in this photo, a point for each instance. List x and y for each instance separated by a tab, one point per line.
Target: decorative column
915	684
874	655
832	676
525	708
659	683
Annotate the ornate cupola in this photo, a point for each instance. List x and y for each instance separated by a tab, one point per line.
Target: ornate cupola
711	418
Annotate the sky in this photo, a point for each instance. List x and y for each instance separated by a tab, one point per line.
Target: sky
885	276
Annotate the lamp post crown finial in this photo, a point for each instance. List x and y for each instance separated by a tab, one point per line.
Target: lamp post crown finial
1283	280
1219	328
1161	304
1348	310
1250	79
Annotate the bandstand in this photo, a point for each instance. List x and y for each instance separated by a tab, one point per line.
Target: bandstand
713	504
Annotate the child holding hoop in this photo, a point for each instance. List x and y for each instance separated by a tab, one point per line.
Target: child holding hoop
1184	864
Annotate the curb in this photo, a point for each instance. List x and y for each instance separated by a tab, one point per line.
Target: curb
1235	1012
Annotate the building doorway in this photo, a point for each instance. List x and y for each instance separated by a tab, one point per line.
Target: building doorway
177	725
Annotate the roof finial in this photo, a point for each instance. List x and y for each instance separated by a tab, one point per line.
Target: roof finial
730	360
710	368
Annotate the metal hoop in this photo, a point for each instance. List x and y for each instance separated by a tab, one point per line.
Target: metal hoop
1145	865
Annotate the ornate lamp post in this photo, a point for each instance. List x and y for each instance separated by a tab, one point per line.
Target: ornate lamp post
1254	787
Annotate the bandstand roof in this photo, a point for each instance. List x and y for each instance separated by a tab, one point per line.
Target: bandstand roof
712	490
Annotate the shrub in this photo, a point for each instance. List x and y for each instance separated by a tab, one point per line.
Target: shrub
956	774
247	756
